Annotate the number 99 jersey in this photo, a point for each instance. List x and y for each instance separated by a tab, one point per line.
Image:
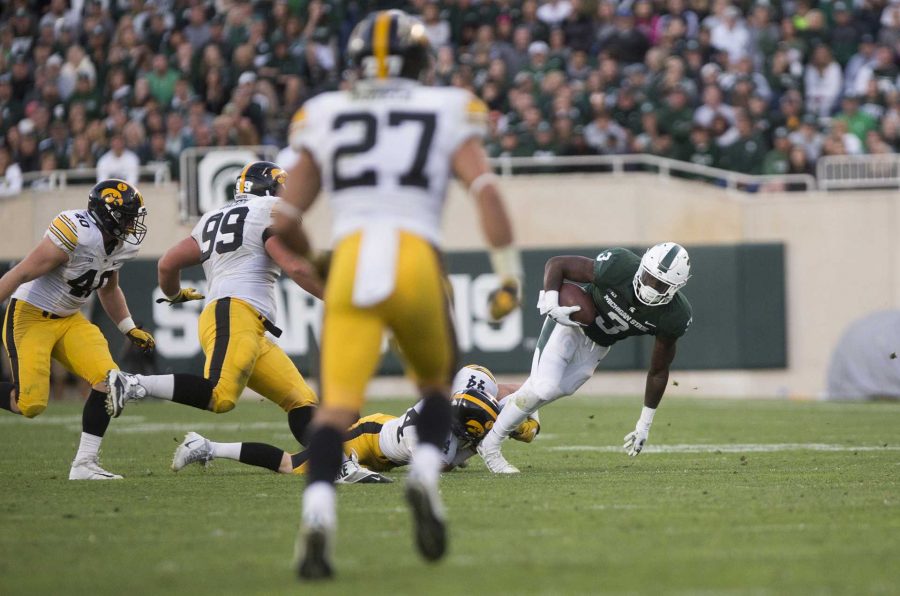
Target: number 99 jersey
64	290
384	151
232	249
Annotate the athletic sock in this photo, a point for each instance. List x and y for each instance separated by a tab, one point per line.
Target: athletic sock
94	419
319	505
511	416
325	455
6	390
89	447
427	463
261	454
191	390
158	386
298	421
433	424
225	450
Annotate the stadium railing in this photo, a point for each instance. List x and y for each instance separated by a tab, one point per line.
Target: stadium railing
664	167
841	172
157	172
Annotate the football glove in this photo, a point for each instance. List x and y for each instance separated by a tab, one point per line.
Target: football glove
635	440
183	295
141	339
527	431
548	305
504	299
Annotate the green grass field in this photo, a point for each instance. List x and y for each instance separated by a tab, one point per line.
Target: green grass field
738	497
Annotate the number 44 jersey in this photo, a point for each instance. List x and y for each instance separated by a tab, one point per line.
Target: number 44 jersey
384	151
232	249
619	313
64	290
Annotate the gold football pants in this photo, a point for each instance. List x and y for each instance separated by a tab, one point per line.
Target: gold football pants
362	439
33	336
417	313
238	355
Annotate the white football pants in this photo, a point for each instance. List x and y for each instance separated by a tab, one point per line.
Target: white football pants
564	359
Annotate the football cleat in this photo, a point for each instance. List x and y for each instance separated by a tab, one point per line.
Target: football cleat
313	548
194	448
428	517
353	473
123	387
494	460
89	469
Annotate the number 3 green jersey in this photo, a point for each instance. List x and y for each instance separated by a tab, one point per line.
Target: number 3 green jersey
619	313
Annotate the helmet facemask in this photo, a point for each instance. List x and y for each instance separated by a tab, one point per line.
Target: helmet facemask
665	269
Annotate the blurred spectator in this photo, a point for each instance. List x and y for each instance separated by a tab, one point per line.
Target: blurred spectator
777	160
118	162
823	82
604	135
747	152
858	122
730	35
11	179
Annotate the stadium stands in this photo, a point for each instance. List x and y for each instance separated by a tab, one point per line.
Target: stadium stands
754	87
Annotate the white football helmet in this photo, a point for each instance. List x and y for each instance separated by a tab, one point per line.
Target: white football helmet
664	270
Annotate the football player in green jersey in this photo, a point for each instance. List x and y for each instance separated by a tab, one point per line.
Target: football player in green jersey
632	296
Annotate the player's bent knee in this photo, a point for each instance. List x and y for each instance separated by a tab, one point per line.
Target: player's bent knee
32	410
220	406
544	392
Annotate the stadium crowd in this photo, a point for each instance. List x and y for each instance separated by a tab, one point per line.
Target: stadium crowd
757	87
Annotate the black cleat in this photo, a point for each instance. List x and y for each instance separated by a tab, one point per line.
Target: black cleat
314	563
428	518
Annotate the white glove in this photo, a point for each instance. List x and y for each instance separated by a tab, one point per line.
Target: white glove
548	305
635	440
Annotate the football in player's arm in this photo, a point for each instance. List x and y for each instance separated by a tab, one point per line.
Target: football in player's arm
632	296
241	260
81	252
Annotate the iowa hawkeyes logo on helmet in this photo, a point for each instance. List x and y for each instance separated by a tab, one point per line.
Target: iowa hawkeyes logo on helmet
112	196
476	429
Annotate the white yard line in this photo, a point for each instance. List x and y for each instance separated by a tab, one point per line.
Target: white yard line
729	448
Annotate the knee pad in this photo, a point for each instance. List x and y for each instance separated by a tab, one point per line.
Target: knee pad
32	411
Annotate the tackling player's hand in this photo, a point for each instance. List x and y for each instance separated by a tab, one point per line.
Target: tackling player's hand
527	431
321	262
635	441
141	339
548	305
183	295
504	299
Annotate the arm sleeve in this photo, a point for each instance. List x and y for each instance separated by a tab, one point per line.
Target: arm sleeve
63	233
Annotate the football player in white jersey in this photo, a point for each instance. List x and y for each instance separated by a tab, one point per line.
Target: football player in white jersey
384	151
379	441
81	252
241	260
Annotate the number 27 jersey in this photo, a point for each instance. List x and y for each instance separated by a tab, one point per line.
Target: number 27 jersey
384	151
64	290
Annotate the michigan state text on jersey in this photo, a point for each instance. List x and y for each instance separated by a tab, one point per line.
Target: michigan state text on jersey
632	296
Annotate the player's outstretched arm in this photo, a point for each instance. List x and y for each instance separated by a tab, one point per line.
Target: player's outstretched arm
184	254
299	270
657	380
113	301
296	197
471	166
45	257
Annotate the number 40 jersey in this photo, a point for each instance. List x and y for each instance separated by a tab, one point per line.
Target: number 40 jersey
64	290
384	151
232	243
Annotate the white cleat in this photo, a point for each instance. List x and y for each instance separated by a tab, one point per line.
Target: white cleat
353	473
428	517
494	460
194	448
123	387
89	469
